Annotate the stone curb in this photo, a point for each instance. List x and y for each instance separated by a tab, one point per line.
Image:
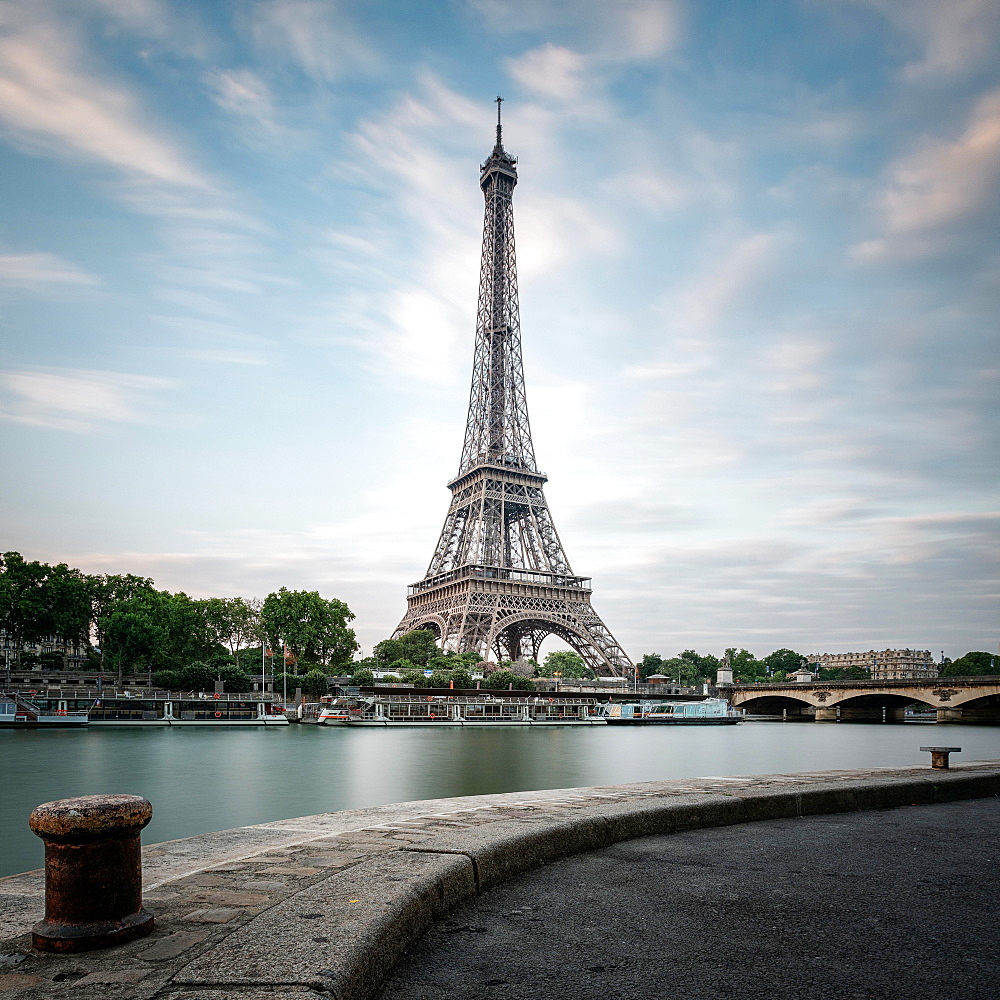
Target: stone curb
504	850
338	931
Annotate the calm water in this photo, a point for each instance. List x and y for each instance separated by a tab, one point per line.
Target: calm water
200	780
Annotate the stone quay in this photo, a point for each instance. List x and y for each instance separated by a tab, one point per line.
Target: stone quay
325	905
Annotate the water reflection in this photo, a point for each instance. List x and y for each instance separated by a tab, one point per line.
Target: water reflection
208	779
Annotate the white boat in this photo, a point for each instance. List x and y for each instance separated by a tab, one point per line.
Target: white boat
165	708
709	712
16	710
472	710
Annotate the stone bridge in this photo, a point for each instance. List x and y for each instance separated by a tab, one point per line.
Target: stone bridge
955	699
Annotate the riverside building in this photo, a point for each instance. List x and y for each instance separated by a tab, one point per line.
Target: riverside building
883	665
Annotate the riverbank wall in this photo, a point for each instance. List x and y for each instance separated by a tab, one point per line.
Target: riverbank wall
325	905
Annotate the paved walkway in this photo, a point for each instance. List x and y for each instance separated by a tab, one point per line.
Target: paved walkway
323	906
875	906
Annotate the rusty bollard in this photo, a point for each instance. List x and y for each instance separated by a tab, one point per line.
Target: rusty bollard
939	756
93	872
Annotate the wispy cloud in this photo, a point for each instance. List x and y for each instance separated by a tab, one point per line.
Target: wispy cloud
243	93
624	31
56	99
48	100
942	184
31	270
954	38
552	70
319	37
162	25
77	400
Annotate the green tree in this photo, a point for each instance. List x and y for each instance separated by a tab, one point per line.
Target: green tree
311	627
650	664
567	664
842	674
443	661
974	664
168	680
316	682
197	676
461	677
232	622
388	651
746	667
419	646
188	634
786	660
364	677
500	680
133	634
414	676
704	665
25	612
67	597
681	670
107	592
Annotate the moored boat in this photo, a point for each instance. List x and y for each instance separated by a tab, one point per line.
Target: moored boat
165	708
472	710
16	710
710	712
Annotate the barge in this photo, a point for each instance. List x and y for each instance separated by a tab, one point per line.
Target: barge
18	711
439	711
163	708
710	712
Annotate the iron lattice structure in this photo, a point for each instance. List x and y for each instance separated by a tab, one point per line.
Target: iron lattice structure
499	581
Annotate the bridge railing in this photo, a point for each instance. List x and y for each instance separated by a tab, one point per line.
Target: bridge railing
901	683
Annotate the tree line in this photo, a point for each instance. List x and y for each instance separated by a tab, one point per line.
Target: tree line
408	658
126	624
691	668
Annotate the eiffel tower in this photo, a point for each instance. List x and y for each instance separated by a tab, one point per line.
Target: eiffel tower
499	581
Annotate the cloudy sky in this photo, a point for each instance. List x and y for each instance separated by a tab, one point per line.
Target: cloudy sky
758	260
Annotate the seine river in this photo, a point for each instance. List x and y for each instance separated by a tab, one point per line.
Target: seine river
200	780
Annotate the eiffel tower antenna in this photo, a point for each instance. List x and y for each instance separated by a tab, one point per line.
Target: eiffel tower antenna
499	581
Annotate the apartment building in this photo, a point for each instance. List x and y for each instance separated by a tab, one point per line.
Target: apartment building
74	655
883	665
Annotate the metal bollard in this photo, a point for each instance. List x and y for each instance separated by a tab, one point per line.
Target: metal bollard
93	872
939	756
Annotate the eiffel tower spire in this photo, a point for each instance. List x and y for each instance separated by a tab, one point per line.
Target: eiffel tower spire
499	581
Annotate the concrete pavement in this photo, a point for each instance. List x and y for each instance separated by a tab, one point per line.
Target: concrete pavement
899	905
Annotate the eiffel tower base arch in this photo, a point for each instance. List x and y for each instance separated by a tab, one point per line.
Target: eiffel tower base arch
512	625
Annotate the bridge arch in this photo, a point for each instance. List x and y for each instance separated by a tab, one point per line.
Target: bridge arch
876	706
785	705
983	710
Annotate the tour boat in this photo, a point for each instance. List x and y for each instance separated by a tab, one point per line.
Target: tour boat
16	710
414	709
710	712
164	708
